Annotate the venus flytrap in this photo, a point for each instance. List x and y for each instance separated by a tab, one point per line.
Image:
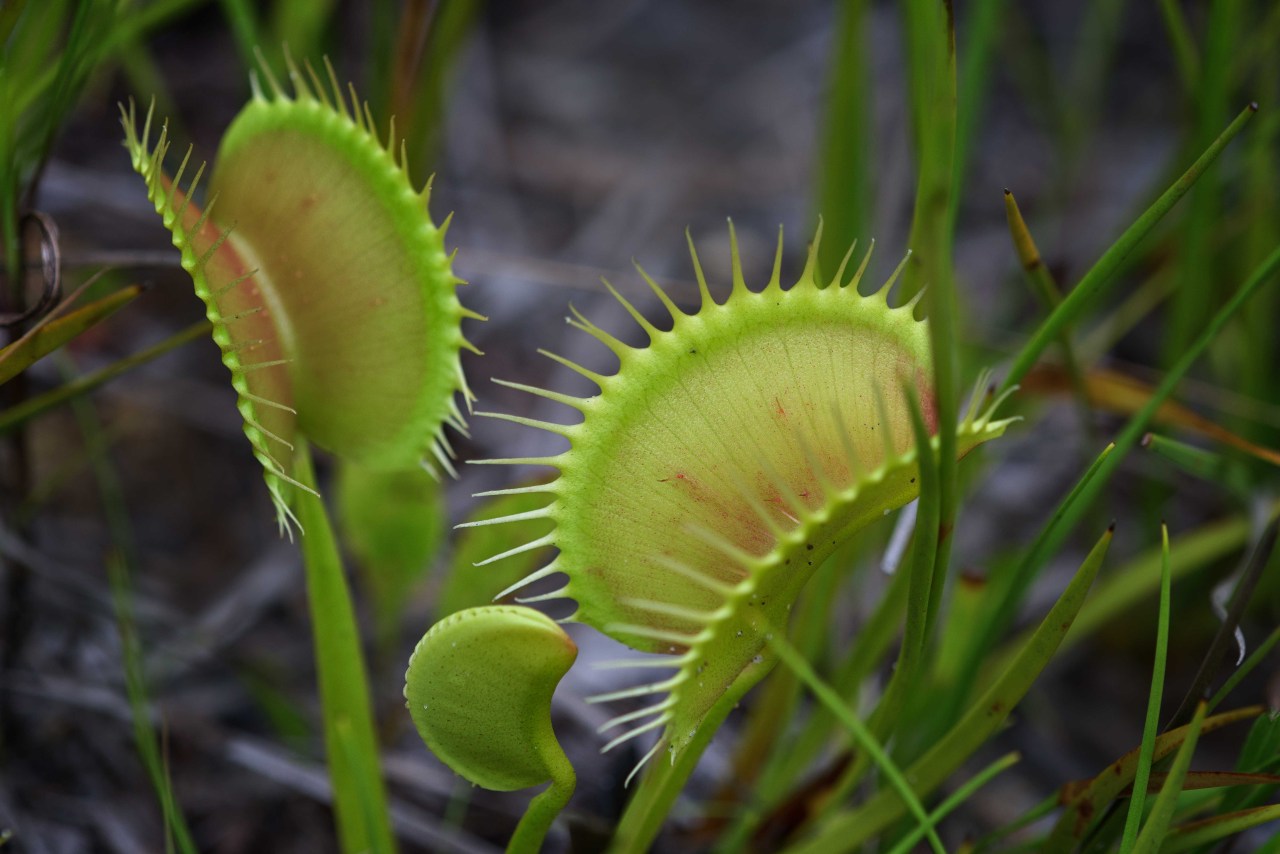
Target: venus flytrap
479	688
332	299
326	336
715	470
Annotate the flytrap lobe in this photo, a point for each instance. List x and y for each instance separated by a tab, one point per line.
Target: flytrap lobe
331	294
721	464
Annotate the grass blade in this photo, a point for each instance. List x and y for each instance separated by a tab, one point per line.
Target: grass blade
1255	658
1235	610
51	334
15	417
958	797
844	191
144	733
846	830
1162	813
1220	827
1101	272
1134	819
867	743
1091	800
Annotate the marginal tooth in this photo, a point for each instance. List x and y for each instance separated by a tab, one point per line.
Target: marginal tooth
177	178
545	572
319	88
650	330
659	292
578	321
862	268
266	401
540	513
975	398
735	260
264	431
565	430
775	277
786	494
442	457
357	115
998	402
337	90
637	714
644	759
187	194
640	730
910	305
703	291
567	399
598	379
517	490
266	72
638	690
883	293
811	258
546	540
542	597
518	461
838	280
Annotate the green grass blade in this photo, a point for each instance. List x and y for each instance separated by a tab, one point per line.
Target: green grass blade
1184	49
1037	274
845	179
119	563
1137	425
983	19
1157	825
867	743
1246	667
1101	273
931	64
923	570
1093	799
958	797
1136	802
1195	262
359	798
1009	591
1140	577
16	416
846	830
1225	636
49	335
1219	828
145	737
244	26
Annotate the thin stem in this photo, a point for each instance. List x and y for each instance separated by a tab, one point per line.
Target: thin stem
359	796
539	815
